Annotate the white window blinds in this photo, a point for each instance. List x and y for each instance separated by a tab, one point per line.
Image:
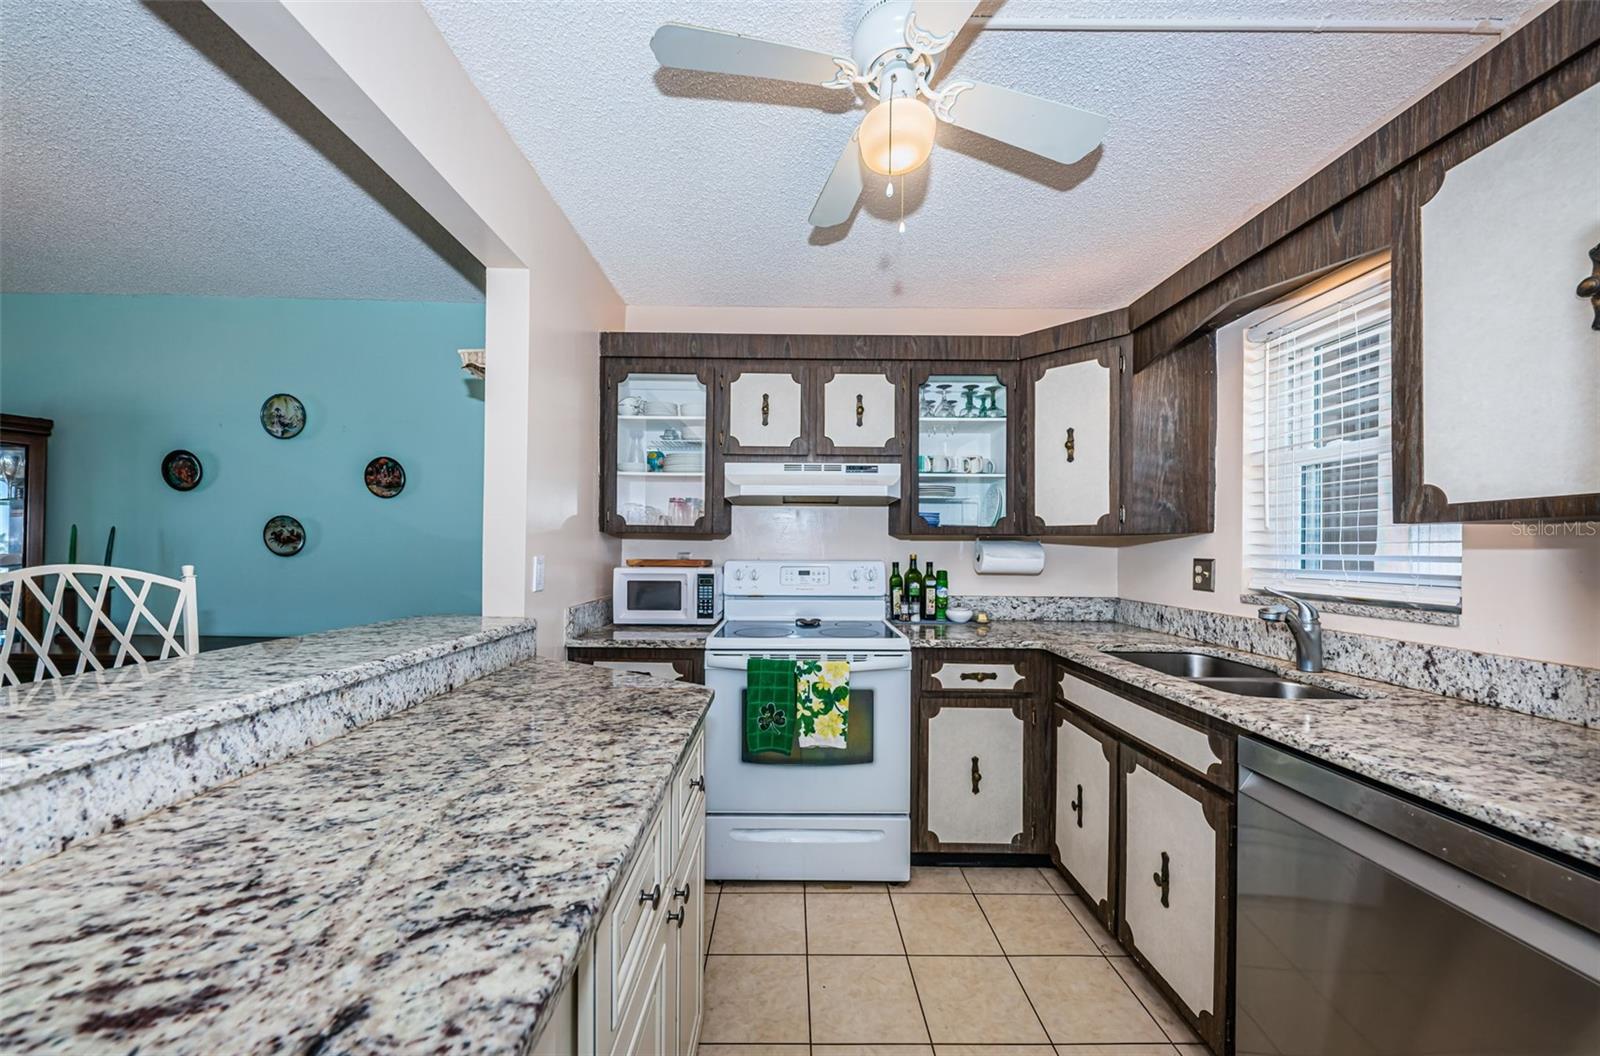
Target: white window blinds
1317	483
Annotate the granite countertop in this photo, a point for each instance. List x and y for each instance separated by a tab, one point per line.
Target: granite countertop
1537	778
423	883
1534	777
63	723
666	637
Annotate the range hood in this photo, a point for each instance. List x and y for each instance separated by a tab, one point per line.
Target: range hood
812	483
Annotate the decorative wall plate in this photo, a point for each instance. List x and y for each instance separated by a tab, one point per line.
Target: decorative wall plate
284	535
181	470
385	477
283	415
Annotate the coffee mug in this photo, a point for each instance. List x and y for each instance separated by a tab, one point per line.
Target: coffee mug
976	464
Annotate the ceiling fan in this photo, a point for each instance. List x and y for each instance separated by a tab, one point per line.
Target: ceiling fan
893	57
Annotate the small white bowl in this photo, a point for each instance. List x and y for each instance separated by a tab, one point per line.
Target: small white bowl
958	615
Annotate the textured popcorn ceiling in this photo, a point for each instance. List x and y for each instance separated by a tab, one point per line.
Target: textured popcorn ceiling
693	189
150	151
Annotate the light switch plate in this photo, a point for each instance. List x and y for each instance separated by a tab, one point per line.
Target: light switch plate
538	573
1205	573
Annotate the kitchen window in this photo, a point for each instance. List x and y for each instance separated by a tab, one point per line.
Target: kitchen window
1319	504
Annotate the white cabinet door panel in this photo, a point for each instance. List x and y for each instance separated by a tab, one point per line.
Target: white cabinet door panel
858	410
764	410
689	941
985	741
1510	365
1179	939
1072	444
1083	809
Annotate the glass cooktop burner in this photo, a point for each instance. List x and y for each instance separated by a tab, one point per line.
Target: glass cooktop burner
826	629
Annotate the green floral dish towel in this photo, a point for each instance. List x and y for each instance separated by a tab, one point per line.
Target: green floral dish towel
769	719
822	703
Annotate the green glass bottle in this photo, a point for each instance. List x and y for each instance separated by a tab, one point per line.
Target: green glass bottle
913	597
930	595
896	589
942	599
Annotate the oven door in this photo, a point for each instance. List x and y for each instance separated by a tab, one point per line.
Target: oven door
654	596
872	776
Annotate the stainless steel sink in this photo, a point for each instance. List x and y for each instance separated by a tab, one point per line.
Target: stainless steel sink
1230	676
1194	665
1272	687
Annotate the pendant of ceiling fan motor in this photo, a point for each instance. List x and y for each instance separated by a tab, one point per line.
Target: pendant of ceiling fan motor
881	42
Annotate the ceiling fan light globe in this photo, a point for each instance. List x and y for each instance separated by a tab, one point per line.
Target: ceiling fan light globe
912	142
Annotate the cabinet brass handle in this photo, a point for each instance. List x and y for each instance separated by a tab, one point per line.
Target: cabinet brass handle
861	409
766	409
681	893
977	775
653	896
1071	445
678	916
978	676
1163	880
1077	806
1589	288
698	783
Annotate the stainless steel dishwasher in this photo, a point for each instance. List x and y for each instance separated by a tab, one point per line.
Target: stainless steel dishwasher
1368	924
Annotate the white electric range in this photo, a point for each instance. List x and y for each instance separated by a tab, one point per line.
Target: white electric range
822	814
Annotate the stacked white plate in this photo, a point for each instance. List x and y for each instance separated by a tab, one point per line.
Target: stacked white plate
684	462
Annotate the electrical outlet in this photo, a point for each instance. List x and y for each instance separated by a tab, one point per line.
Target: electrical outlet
537	583
1205	574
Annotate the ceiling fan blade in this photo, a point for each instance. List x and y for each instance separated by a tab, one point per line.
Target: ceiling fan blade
1053	130
940	18
715	51
843	189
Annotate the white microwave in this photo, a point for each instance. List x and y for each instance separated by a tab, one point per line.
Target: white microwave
666	595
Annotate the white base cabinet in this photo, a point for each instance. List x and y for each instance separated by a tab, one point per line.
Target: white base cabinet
1085	814
1147	837
975	769
638	988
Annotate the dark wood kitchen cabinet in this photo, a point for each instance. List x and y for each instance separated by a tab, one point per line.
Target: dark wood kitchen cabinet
978	752
1085	823
677	665
1072	436
660	464
962	474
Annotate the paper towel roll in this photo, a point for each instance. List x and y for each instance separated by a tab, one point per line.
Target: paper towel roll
1008	557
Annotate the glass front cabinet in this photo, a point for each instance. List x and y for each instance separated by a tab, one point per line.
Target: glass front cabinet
964	450
659	474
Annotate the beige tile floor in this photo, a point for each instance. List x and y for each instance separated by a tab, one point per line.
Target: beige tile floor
957	962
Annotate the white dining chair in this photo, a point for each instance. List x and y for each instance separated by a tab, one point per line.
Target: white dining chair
51	590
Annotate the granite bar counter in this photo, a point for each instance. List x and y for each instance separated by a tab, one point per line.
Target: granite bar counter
86	753
1534	777
422	884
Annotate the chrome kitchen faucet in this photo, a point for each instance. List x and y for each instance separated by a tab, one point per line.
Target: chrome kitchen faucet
1304	622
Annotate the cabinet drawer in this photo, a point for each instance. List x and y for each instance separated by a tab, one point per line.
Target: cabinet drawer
969	677
666	669
631	926
1205	753
689	796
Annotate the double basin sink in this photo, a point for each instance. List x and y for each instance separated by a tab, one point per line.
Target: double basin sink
1230	676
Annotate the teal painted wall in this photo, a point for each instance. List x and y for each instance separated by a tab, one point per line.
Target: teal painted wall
127	379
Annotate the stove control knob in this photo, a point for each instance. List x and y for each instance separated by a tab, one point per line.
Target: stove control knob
738	574
872	573
755	574
855	575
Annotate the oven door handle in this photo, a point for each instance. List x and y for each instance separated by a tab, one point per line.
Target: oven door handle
732	661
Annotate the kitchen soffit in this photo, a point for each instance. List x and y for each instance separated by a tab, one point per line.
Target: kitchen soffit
694	189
